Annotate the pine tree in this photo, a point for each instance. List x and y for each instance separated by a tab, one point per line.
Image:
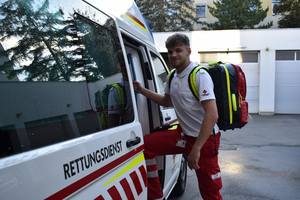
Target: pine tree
169	15
290	12
237	14
42	40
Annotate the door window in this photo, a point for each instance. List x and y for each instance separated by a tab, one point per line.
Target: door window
161	73
59	70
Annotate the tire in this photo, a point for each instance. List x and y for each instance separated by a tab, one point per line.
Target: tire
179	188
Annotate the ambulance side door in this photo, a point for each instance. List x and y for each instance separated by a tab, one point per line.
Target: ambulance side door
171	162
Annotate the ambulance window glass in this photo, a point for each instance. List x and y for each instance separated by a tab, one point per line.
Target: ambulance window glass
161	73
107	76
52	66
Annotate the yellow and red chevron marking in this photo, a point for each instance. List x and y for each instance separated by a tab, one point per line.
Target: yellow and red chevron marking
138	186
132	18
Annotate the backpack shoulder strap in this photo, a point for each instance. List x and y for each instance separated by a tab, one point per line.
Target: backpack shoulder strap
192	81
170	77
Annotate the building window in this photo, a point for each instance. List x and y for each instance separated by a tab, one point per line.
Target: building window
285	55
233	57
275	2
201	10
297	55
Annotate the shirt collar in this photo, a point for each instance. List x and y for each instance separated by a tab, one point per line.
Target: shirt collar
186	71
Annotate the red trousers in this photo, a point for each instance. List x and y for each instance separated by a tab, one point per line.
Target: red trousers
164	143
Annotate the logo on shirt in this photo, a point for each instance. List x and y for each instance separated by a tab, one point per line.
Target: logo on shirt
204	93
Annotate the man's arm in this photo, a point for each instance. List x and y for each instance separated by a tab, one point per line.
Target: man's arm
210	118
160	99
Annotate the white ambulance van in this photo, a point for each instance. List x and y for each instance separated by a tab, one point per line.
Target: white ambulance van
71	125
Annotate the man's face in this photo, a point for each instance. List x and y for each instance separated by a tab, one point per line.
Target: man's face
179	56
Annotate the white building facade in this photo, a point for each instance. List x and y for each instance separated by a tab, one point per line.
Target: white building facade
270	59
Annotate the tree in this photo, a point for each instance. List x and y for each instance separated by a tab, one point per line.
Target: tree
290	12
41	36
237	14
169	15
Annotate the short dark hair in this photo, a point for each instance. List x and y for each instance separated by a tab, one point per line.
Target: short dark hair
177	39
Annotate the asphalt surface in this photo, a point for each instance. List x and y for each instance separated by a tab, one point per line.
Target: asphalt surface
261	161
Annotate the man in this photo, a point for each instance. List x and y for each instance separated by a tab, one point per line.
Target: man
197	119
120	110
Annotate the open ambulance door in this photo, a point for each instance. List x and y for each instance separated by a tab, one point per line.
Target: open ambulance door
175	166
148	68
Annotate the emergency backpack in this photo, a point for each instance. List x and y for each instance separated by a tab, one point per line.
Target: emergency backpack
101	101
230	92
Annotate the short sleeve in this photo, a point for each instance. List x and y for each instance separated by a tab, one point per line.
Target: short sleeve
205	85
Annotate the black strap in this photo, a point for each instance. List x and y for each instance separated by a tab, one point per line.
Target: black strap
216	152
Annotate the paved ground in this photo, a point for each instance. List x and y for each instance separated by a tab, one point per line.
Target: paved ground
258	162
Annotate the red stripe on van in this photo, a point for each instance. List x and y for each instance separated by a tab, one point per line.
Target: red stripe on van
135	19
100	198
93	176
127	189
136	182
144	174
114	193
171	122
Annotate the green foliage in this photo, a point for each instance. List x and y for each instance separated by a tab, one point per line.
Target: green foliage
237	14
38	52
290	12
44	45
169	15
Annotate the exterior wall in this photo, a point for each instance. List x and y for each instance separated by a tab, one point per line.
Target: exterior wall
210	19
264	41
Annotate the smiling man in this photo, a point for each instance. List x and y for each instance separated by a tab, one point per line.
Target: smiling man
197	119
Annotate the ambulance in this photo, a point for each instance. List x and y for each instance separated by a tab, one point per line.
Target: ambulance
71	124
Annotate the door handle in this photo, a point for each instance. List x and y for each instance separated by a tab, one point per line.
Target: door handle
132	142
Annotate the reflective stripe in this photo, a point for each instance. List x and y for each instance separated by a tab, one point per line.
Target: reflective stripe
216	176
152	174
128	167
229	93
150	161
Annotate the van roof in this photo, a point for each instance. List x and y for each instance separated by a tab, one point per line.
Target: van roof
128	17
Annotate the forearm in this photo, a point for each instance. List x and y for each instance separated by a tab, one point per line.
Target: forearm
208	123
206	129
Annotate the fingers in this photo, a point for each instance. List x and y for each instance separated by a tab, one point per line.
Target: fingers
193	164
135	85
193	159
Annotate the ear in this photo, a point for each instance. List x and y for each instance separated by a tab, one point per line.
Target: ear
189	50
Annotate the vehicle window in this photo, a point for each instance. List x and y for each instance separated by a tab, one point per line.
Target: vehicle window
161	73
59	69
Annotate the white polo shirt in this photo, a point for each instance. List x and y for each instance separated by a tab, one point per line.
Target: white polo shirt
189	110
114	104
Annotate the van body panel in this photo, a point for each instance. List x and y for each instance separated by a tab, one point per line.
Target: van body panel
128	17
71	126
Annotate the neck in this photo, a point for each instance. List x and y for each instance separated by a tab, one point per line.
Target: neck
183	67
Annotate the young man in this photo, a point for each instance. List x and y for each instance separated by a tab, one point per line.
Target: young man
197	119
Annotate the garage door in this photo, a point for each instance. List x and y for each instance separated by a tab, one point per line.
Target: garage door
248	61
287	82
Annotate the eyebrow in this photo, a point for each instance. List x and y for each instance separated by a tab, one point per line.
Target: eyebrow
177	49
